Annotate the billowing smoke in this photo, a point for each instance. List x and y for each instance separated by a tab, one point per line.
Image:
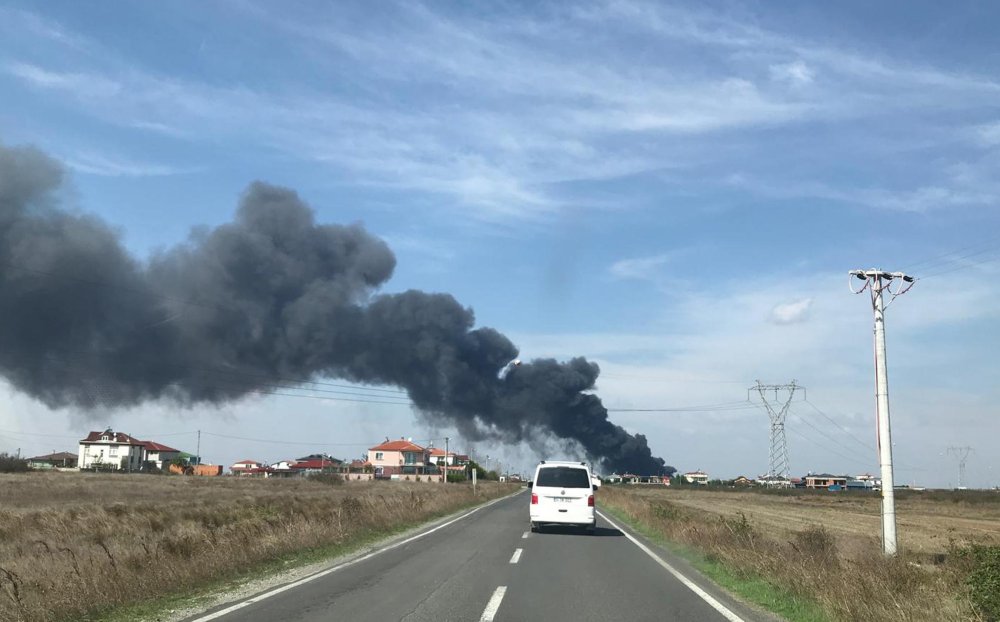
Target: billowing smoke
270	296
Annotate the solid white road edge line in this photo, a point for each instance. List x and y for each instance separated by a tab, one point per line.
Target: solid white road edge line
323	573
517	556
705	596
493	605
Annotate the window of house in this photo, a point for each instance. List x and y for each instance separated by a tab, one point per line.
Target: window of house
378	455
113	451
409	457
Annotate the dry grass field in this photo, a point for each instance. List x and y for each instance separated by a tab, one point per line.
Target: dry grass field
74	545
927	523
825	547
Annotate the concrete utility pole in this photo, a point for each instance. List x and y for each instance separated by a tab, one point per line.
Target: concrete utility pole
445	460
878	282
779	466
962	453
197	458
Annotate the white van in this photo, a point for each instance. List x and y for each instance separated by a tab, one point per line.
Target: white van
562	493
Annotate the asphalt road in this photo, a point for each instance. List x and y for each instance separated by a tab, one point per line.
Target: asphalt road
488	566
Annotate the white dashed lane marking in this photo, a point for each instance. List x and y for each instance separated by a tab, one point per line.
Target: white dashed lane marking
516	556
493	605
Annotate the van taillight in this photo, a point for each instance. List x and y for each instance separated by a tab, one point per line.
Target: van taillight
590	501
534	499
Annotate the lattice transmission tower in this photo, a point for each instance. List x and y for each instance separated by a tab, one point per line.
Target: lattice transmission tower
776	411
962	453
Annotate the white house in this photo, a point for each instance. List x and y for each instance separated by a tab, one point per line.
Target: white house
159	454
696	477
111	450
249	467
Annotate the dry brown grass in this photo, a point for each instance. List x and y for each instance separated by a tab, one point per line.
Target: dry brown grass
816	547
72	544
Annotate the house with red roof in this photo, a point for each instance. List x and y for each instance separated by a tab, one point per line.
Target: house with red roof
248	468
402	457
117	451
159	454
112	451
315	463
55	460
453	462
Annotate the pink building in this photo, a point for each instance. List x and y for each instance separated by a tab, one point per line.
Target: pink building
398	458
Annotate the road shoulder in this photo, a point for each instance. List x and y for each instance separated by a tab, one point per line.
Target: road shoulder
198	604
746	611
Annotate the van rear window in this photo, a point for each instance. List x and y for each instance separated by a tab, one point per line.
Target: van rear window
563	477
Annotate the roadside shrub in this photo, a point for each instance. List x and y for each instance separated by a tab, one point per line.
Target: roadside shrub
12	464
817	544
984	580
808	562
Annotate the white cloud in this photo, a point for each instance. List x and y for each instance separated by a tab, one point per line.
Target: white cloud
963	188
639	268
797	73
559	110
86	86
989	134
792	312
104	166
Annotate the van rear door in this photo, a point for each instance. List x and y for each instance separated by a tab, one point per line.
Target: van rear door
563	494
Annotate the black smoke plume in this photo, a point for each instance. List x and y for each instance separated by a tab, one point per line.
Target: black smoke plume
240	308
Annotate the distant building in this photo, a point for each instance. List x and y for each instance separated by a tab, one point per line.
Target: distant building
864	482
826	481
696	477
743	481
357	466
776	481
402	457
112	451
159	455
62	459
249	468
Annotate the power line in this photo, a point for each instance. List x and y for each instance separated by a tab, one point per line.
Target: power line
724	406
833	451
960	266
614	375
272	441
828	437
268	388
951	256
38	434
842	429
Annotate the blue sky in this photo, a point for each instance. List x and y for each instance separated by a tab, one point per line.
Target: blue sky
676	192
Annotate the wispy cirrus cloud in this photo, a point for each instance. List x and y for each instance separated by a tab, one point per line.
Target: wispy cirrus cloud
639	268
105	166
490	115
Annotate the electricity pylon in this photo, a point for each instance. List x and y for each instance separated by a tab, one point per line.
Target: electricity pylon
878	282
962	453
779	466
